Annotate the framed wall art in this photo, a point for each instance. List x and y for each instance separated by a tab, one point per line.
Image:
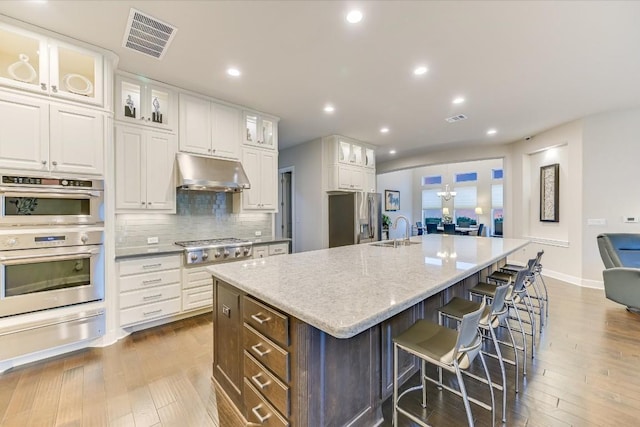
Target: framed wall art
391	200
550	193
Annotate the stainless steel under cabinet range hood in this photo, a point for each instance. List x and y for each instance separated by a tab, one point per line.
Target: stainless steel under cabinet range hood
208	174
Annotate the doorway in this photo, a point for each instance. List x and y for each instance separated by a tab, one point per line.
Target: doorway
284	217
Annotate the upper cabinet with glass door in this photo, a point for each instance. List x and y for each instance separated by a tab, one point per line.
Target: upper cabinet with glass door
350	153
143	101
40	64
260	131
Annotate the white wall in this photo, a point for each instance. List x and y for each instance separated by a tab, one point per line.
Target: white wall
309	194
611	154
401	181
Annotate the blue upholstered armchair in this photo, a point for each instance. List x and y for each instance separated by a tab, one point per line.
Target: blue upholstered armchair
620	254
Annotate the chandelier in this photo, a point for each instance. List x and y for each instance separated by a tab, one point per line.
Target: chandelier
446	194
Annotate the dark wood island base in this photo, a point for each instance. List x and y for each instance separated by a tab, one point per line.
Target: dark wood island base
279	371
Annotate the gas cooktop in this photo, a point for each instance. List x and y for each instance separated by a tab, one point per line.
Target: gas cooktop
207	251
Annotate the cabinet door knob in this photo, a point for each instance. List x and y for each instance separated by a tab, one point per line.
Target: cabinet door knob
54	163
44	162
149	203
142	203
213	151
209	150
43	86
54	88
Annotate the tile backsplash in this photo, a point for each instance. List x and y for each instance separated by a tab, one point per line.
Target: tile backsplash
199	215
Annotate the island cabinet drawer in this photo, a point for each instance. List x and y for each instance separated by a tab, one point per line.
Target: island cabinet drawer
144	313
143	281
146	265
145	296
267	321
266	352
274	390
259	411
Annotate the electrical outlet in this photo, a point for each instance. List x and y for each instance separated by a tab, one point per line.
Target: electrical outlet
152	240
258	233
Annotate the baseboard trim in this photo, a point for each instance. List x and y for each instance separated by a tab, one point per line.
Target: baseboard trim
578	281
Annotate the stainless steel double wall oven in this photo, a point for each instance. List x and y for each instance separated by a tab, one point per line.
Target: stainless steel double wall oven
51	243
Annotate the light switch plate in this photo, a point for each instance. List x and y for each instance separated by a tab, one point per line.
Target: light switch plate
152	240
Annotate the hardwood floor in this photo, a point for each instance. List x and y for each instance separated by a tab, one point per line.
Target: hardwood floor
585	374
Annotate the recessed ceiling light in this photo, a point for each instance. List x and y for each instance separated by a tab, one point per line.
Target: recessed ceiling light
492	132
234	72
458	100
420	70
392	151
354	16
384	130
329	109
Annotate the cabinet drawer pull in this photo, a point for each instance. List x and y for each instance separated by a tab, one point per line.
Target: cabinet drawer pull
259	320
152	265
257	382
256	348
151	297
148	282
257	414
150	313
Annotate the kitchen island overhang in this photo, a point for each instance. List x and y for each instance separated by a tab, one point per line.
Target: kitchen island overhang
343	306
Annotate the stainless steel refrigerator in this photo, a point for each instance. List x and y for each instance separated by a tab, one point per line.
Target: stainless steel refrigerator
354	218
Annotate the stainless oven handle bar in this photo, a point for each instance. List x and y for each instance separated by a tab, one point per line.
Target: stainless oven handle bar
8	260
57	192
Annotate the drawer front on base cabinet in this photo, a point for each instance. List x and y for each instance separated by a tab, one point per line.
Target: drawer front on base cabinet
146	296
147	312
259	411
279	249
144	281
267	352
195	277
146	265
266	320
274	390
194	298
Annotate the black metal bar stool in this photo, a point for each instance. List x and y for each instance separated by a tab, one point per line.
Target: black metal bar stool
447	349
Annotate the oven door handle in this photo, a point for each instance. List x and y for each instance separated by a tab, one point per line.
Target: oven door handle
9	260
57	193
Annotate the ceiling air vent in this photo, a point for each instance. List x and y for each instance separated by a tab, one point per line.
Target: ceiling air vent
148	35
457	118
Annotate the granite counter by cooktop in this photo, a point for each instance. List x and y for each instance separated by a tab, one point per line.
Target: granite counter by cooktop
344	291
142	251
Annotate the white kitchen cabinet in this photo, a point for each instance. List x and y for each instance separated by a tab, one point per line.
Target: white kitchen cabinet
143	101
369	158
273	249
149	288
144	170
370	181
345	177
49	66
49	137
197	288
350	153
208	128
260	131
261	167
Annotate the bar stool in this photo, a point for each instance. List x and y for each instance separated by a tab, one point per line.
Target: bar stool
492	317
447	349
512	299
537	271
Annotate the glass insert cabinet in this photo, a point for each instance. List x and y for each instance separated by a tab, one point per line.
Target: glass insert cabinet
144	102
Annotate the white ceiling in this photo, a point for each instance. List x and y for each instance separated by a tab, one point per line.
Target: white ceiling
523	67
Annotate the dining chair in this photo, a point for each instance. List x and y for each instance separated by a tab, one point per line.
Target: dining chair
449	229
419	227
432	227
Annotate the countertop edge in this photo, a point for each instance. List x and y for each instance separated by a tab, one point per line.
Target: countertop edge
147	251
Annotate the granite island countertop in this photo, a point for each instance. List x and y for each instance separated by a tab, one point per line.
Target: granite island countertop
344	291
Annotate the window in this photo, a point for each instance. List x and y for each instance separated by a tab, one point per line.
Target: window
496	208
464	204
466	177
430	180
431	206
497	173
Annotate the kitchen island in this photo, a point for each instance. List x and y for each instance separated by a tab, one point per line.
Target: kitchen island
306	339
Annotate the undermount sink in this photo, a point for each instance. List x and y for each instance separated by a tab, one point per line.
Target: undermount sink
395	243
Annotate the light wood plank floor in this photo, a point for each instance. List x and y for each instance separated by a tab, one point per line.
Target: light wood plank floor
586	373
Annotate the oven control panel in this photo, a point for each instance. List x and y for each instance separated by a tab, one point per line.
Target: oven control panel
61	182
42	240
